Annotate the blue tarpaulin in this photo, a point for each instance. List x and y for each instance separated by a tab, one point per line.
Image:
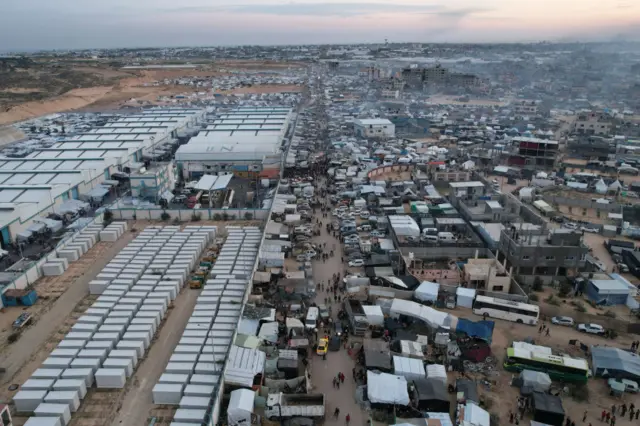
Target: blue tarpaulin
479	329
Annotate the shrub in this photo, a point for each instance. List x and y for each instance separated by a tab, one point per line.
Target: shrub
565	289
107	217
579	392
217	216
537	284
552	300
580	307
165	216
196	217
225	216
613	334
534	297
248	216
610	314
176	221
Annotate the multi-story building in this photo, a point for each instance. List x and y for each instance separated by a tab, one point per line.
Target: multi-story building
592	124
524	107
419	78
389	94
532	153
532	252
591	147
153	183
374	128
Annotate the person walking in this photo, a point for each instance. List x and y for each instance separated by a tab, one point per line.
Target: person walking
336	413
603	415
547	332
347	419
584	416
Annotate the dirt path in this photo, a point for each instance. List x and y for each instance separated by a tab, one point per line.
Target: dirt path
138	404
35	344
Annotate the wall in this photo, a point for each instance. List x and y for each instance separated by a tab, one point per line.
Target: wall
583	203
443	252
184	215
31	275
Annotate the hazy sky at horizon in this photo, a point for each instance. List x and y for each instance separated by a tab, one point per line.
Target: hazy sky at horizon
40	24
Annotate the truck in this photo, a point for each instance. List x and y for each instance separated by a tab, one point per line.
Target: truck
618	246
357	317
284	406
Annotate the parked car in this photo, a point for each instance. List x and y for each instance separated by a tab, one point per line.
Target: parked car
377	234
364	228
324	312
353	237
629	385
589	229
570	225
323	346
591	328
356	263
337	325
568	321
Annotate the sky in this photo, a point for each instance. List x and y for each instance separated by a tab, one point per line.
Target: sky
75	24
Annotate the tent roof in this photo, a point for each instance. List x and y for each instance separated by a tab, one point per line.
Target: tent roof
547	403
475	415
383	388
241	400
615	361
427	291
409	366
429	389
478	329
468	388
377	359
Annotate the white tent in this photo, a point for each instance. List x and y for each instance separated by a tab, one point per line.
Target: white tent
475	416
601	187
432	317
374	314
383	388
411	368
427	291
465	297
615	186
240	407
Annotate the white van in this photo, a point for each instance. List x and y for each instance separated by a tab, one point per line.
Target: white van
446	236
430	231
430	238
311	321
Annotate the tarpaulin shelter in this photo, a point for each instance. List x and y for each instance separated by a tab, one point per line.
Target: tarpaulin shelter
383	388
476	416
431	395
614	362
411	368
548	409
536	380
465	296
432	317
427	291
240	407
482	330
467	390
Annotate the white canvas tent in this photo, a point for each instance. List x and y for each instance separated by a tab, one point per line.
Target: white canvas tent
427	291
432	317
383	388
601	187
240	407
374	314
537	380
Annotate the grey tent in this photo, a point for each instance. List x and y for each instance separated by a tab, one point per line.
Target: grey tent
614	362
536	380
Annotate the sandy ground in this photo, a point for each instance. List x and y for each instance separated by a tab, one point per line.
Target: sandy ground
63	299
137	405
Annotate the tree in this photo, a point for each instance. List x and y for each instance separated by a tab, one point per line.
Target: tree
248	216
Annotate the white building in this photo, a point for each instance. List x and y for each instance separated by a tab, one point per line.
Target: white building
389	94
592	124
246	141
374	128
81	166
153	183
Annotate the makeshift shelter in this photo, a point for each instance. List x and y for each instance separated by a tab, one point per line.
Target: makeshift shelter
240	407
614	362
615	186
377	360
465	297
269	332
476	416
374	314
467	390
547	409
535	380
427	291
411	368
482	330
383	388
437	371
601	187
431	395
432	317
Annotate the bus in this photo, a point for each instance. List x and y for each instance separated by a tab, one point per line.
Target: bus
559	368
509	310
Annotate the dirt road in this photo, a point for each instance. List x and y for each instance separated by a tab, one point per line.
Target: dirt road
138	403
323	372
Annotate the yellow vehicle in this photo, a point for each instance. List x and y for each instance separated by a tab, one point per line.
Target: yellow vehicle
323	346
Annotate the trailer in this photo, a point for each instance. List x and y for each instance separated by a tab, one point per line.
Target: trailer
357	317
283	406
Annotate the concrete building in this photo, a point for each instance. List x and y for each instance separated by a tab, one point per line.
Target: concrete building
374	128
389	94
153	183
486	274
532	153
524	107
248	142
550	256
592	124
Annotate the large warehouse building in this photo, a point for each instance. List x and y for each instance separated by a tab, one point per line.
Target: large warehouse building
82	166
246	141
